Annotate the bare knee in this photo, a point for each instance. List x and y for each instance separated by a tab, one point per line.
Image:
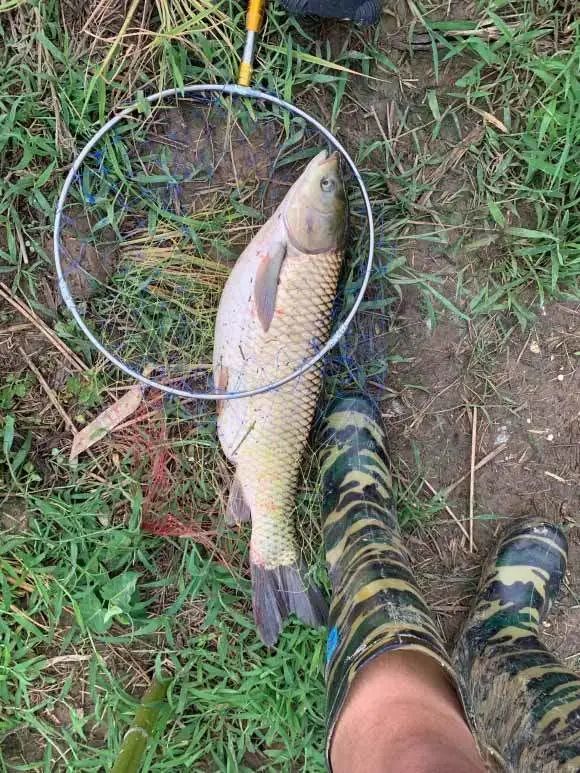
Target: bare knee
402	714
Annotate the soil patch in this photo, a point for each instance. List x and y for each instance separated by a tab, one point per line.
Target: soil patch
87	263
526	387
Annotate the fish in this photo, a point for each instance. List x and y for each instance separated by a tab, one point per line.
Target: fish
274	314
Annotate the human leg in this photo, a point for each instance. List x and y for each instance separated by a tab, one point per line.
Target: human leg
391	687
525	701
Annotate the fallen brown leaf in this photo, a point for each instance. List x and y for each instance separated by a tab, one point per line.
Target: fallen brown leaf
106	421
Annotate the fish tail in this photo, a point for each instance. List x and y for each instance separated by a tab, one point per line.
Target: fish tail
279	592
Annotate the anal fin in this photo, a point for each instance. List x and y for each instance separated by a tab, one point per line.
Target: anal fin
237	509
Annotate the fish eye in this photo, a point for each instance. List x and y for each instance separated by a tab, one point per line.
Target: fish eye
327	184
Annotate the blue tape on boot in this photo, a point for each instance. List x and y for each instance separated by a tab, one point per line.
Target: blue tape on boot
332	643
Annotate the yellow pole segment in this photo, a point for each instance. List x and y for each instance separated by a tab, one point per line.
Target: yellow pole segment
253	23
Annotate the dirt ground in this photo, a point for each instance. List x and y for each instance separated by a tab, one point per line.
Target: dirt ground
525	387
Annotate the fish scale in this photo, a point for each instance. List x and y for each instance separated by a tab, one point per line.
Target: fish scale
274	315
287	412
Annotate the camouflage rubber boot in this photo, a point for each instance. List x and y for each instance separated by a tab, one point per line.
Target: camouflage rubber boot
526	703
376	605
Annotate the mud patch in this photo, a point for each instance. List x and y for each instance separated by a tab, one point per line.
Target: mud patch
22	747
211	141
87	262
525	386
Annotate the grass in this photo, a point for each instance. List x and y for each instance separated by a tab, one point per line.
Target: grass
91	606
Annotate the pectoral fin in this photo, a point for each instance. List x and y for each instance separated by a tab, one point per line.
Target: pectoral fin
266	285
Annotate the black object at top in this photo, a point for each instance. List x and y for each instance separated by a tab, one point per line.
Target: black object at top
363	12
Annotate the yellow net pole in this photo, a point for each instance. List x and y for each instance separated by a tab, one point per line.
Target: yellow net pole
254	18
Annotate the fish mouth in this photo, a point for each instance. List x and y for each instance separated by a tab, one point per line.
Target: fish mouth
324	157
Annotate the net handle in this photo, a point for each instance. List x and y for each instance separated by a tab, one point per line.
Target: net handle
254	17
233	90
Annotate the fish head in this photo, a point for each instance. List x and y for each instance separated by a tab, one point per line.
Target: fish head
316	206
